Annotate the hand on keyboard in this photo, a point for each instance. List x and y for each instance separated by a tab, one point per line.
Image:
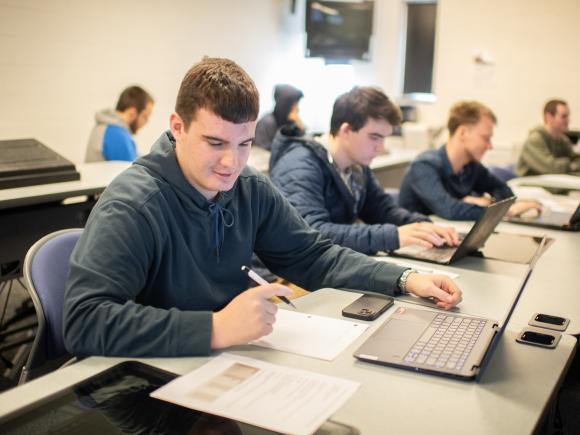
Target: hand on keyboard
427	234
439	287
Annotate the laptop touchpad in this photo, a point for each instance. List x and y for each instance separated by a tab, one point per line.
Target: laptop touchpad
396	338
402	330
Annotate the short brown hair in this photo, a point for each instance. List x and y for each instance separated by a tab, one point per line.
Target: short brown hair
551	106
467	113
220	86
133	96
361	103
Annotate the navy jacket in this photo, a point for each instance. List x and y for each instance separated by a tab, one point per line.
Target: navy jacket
430	186
300	168
156	258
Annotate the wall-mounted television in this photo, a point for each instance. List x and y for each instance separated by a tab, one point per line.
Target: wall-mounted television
339	30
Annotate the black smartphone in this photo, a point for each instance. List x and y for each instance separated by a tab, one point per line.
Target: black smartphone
550	322
367	307
536	338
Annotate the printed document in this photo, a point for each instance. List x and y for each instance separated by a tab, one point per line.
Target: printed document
247	390
311	335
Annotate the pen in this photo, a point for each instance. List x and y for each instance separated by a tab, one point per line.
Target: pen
261	281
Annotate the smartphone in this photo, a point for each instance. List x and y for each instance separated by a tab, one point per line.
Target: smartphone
549	322
367	307
538	338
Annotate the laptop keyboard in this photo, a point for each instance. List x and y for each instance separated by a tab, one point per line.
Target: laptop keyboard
447	342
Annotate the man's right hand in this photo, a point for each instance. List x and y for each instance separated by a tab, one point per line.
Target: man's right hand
427	234
249	316
440	288
481	201
520	207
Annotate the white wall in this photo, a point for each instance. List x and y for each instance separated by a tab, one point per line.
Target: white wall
534	47
62	60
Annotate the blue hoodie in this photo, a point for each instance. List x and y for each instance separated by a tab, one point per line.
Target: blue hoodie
156	259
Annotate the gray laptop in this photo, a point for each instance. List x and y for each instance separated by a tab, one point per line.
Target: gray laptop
554	220
471	242
437	342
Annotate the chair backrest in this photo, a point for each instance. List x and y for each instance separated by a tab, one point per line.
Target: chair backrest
504	173
46	268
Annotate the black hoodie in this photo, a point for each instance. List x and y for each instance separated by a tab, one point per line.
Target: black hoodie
285	97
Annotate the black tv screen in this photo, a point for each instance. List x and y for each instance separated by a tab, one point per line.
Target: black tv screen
338	30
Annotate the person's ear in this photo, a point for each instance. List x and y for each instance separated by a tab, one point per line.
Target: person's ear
462	131
176	125
132	114
345	128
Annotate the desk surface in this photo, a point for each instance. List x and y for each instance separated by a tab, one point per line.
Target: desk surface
510	399
554	285
94	178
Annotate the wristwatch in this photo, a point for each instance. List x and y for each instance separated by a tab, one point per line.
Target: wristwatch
402	283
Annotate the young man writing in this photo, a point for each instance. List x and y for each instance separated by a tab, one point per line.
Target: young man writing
157	269
451	182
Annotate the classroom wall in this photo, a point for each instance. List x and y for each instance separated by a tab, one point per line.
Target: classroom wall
63	60
60	61
533	47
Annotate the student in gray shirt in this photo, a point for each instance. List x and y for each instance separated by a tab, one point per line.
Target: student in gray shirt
547	149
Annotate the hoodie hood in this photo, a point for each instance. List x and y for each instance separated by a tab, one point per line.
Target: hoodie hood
288	138
162	163
110	116
539	129
285	96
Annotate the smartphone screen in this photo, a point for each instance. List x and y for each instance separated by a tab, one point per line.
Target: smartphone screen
552	320
535	337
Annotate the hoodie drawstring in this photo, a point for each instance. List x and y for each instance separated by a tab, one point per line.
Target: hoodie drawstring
221	217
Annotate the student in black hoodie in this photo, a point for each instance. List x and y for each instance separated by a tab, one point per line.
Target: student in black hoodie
157	269
285	113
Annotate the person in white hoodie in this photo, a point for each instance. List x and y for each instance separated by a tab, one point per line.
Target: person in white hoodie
111	137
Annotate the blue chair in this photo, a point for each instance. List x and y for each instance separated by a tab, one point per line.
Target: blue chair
46	268
504	173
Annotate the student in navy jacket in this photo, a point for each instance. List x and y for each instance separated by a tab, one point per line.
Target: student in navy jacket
451	182
329	181
157	269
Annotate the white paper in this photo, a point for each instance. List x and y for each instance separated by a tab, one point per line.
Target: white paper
277	398
562	181
311	335
420	269
550	202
